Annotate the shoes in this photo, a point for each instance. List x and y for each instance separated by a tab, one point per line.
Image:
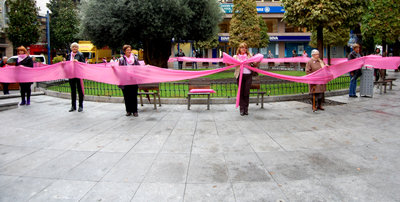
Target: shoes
321	108
22	103
241	113
28	102
80	109
135	114
353	96
72	109
128	114
246	113
314	109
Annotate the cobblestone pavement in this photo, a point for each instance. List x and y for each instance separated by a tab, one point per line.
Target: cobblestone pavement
283	152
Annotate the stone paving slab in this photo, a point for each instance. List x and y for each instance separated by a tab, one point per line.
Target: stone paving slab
283	152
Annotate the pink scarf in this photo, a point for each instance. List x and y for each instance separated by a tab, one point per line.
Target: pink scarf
242	57
72	56
22	57
130	60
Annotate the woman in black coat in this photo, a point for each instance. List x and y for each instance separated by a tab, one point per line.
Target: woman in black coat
25	60
75	83
130	91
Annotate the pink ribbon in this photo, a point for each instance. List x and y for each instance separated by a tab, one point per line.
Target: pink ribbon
126	75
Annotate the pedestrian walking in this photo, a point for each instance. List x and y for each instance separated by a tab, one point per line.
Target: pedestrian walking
25	88
356	73
3	64
305	53
270	55
194	55
180	54
316	90
130	91
76	83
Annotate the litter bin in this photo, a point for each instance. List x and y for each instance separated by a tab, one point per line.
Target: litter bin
367	82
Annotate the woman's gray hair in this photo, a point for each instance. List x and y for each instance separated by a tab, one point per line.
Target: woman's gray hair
74	44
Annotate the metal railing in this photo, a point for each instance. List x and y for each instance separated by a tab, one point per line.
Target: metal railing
223	88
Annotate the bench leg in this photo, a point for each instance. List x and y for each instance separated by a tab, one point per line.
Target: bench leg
385	89
390	87
208	102
188	102
262	101
159	99
154	100
380	88
258	97
141	100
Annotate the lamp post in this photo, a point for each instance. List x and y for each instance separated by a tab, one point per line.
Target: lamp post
48	37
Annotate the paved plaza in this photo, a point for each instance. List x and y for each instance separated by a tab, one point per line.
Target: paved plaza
284	152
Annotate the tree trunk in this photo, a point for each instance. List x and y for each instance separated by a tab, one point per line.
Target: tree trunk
320	41
156	52
329	54
384	54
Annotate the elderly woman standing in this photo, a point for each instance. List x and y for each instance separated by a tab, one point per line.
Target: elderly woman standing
242	54
25	60
316	90
130	91
75	83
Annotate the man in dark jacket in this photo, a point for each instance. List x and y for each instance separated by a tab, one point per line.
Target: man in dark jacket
76	83
3	63
356	73
180	54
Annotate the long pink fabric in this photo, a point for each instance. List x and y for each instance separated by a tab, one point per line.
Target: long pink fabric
126	75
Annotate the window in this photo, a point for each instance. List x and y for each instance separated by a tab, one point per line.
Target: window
272	25
289	28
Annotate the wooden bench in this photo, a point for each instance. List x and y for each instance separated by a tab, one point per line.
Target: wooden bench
381	84
150	89
256	84
390	81
199	83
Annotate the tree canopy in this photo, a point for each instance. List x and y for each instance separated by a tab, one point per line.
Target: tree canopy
245	25
264	38
381	21
154	23
24	26
316	15
64	23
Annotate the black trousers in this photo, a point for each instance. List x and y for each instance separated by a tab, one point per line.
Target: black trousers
5	89
319	99
245	92
25	89
130	96
75	83
180	64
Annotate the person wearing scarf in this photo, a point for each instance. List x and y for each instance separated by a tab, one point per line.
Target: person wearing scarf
26	61
130	91
316	90
242	54
76	83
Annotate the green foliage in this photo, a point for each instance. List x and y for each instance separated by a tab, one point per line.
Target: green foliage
327	13
264	38
382	20
208	44
153	23
245	25
64	23
110	22
337	37
57	59
24	27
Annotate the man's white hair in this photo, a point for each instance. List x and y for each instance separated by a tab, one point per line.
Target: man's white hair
74	44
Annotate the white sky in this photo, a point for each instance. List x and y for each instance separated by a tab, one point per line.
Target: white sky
41	4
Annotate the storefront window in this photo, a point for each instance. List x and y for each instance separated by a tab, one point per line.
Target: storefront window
272	25
289	28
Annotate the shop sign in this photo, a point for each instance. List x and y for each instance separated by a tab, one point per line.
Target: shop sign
228	8
223	39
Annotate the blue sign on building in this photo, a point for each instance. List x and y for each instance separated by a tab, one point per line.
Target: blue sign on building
225	39
228	8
